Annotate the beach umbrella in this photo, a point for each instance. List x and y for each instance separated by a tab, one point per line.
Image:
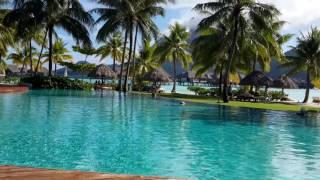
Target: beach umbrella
102	71
285	82
257	78
157	75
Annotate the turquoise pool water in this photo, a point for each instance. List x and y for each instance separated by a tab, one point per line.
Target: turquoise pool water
135	134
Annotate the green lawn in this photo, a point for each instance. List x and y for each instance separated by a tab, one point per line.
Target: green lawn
214	101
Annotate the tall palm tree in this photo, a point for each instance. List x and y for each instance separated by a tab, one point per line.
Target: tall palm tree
174	47
112	15
307	58
241	14
209	50
66	14
128	15
59	54
143	22
6	36
113	48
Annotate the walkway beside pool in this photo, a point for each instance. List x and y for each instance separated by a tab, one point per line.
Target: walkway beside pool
23	173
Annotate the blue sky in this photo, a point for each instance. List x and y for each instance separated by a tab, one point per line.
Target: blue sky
299	14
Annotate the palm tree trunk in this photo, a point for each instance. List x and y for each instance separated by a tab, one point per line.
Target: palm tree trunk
55	69
229	64
120	87
174	75
134	57
21	70
255	62
306	98
114	65
129	61
41	51
50	50
220	81
30	55
253	69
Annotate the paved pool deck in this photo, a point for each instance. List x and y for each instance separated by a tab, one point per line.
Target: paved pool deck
25	173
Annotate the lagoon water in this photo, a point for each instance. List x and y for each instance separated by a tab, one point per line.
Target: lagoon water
295	94
135	134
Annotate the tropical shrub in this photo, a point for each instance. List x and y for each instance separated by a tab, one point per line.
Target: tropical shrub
276	95
56	83
195	89
10	80
204	92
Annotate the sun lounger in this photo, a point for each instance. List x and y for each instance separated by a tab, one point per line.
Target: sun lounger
316	100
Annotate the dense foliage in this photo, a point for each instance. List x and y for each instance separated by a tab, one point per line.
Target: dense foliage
56	83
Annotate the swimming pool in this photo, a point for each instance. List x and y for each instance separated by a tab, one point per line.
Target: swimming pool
133	134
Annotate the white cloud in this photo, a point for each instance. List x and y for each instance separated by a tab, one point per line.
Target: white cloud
299	14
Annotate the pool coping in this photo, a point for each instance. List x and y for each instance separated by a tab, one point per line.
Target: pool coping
28	173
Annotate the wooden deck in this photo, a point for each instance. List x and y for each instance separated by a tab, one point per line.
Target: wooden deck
23	173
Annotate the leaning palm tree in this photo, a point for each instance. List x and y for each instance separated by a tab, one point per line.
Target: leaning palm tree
66	14
59	54
240	14
113	48
307	58
174	47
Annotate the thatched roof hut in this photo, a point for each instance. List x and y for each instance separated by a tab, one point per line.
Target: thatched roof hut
285	82
257	78
158	75
103	71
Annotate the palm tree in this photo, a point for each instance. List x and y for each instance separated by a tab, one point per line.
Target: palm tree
174	47
85	50
240	14
59	54
112	47
19	57
146	61
307	58
26	40
209	50
6	37
112	14
128	15
143	22
66	14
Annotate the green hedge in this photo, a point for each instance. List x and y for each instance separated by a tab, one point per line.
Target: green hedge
56	83
204	91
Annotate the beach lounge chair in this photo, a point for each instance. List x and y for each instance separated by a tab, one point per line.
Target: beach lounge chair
245	97
316	100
